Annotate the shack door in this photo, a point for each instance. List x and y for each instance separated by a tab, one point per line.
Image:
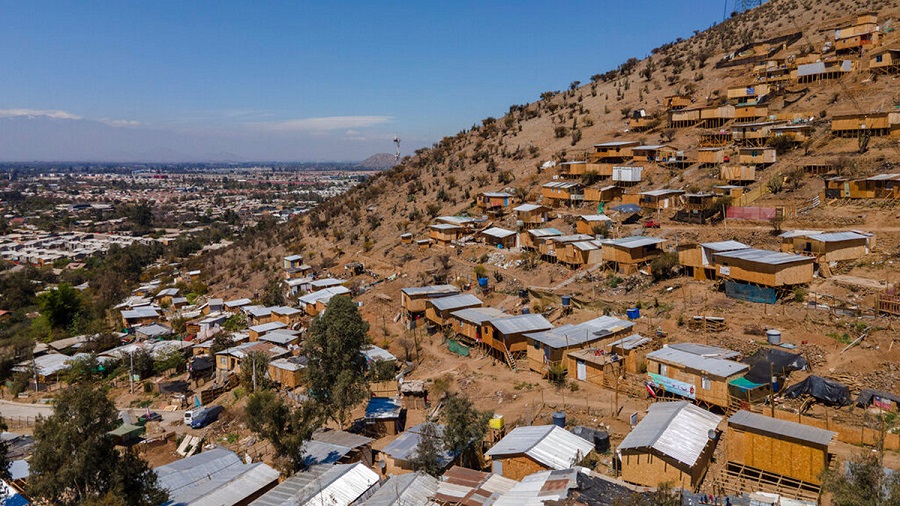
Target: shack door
580	370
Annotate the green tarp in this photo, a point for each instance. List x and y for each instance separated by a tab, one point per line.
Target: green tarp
459	348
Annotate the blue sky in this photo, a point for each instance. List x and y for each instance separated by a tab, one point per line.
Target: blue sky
302	80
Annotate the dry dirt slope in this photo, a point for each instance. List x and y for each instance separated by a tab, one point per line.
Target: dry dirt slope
504	152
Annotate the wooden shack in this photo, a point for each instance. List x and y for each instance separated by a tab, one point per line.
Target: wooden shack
530	449
626	254
593	365
714	139
764	268
821	70
562	192
676	102
573	169
861	35
607	193
531	215
795	133
287	372
683	118
716	116
876	124
467	323
547	349
711	156
406	238
733	191
413	300
533	239
592	224
671	444
577	253
737	173
749	113
747	94
613	152
757	156
880	186
885	61
506	335
438	310
640	121
777	456
444	233
661	199
632	351
658	153
498	237
697	377
493	201
752	134
832	246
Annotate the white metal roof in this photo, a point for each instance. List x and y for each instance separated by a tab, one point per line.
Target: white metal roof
339	485
837	237
636	241
764	256
430	290
544	232
411	489
550	445
524	208
324	295
595	217
521	323
213	478
677	429
455	302
713	366
478	315
498	232
574	335
783	428
729	245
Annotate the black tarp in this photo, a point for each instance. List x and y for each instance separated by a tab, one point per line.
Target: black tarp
782	364
865	397
830	393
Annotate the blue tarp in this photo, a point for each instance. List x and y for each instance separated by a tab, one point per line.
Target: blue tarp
750	293
627	208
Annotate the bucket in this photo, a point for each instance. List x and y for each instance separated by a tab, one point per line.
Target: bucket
566	300
773	336
559	419
633	313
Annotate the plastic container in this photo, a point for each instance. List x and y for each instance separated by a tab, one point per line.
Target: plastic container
633	313
559	419
525	310
566	300
496	422
482	282
773	336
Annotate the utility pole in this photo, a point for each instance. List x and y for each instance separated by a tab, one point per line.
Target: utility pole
253	362
131	370
772	387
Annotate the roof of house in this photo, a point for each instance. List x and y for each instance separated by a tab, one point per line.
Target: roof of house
340	484
614	144
477	315
713	366
496	194
705	350
781	428
524	208
562	184
430	290
662	192
454	302
320	452
293	258
288	364
635	241
373	352
342	438
324	295
154	330
460	485
499	233
285	310
267	327
213	477
444	226
551	446
594	217
837	237
140	312
408	489
383	408
520	324
541	487
729	245
404	447
790	234
456	220
575	335
679	430
544	232
631	342
326	282
762	256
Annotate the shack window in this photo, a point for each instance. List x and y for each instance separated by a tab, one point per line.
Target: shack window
705	384
663	369
537	345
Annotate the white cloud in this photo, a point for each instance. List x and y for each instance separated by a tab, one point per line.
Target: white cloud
322	124
121	123
7	113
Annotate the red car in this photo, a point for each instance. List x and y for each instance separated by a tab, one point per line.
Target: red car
651	224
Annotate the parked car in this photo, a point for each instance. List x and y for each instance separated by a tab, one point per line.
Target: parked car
206	417
651	224
152	416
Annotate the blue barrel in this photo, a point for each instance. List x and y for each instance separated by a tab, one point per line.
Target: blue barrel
566	300
482	282
559	419
633	313
525	310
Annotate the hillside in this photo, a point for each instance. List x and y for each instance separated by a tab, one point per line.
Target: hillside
379	161
508	151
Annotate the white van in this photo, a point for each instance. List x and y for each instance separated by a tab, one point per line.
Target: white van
190	414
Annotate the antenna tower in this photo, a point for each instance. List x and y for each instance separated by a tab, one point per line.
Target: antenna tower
397	152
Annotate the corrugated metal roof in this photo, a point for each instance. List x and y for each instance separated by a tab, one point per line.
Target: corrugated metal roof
575	335
635	241
837	237
497	194
326	282
790	234
214	477
498	232
631	342
455	302
318	452
524	208
595	217
373	352
444	226
237	302
713	366
324	295
539	487
460	485
884	177
664	191
520	324
549	445
783	428
762	256
478	315
724	245
456	220
430	290
404	447
571	238
338	485
544	232
562	184
267	327
411	489
705	350
613	144
381	408
677	429
342	438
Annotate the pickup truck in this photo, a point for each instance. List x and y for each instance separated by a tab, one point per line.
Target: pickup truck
651	224
206	417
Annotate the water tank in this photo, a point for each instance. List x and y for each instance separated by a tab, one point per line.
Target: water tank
559	419
773	336
482	282
566	300
601	441
633	313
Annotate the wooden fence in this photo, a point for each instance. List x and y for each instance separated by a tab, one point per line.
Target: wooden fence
852	435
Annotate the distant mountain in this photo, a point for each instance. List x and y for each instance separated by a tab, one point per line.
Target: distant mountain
379	161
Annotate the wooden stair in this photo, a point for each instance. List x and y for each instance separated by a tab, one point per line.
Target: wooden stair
738	478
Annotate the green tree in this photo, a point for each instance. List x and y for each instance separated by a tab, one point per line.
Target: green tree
863	484
171	358
273	294
4	450
337	368
220	342
76	461
286	428
235	322
60	305
464	428
255	371
427	457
